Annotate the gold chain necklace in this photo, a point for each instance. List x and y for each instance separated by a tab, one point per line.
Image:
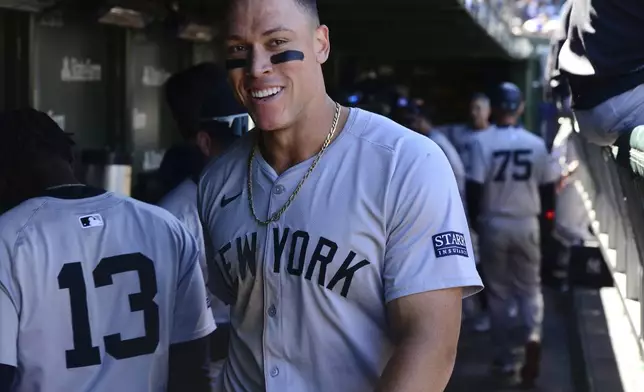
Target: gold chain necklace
276	216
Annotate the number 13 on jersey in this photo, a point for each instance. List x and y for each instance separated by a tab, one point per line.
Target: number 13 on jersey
71	278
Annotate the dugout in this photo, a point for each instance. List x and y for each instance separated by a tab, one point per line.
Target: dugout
443	50
98	66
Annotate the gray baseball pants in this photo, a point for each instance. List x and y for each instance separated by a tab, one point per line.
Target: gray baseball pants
511	261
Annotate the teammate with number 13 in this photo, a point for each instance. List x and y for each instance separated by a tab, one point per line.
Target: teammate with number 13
98	292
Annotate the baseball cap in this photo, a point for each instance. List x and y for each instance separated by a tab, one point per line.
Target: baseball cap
200	96
413	108
507	97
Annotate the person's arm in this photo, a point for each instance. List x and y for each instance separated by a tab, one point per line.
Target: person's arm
189	366
219	342
475	179
220	282
425	329
8	340
218	339
552	174
7	375
193	323
428	268
474	195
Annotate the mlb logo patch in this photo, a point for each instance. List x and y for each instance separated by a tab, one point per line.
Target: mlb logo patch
449	243
89	221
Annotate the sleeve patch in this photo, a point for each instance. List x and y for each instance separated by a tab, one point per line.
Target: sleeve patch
449	243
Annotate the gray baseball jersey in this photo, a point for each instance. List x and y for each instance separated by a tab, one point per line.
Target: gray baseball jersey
378	219
512	163
456	133
452	157
94	291
462	138
182	203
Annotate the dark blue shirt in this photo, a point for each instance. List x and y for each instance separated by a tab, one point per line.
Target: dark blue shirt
615	49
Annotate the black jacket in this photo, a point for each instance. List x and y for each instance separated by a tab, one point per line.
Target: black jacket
606	36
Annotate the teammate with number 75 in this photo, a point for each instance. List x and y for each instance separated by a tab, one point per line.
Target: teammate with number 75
510	185
98	292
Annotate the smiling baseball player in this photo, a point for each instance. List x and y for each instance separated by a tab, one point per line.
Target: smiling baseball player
510	184
349	253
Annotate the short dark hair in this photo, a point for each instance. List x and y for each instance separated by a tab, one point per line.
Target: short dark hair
29	135
404	115
199	94
31	143
480	97
309	6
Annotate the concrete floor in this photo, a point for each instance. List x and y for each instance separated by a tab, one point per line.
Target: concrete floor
471	373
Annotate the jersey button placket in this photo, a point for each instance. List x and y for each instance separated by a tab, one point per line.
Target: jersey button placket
272	292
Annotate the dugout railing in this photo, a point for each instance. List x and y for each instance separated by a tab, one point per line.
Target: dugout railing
614	199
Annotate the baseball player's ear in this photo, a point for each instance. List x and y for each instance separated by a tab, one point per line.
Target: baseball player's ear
322	44
204	142
521	109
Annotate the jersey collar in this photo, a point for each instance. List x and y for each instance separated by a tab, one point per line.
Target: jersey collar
72	192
